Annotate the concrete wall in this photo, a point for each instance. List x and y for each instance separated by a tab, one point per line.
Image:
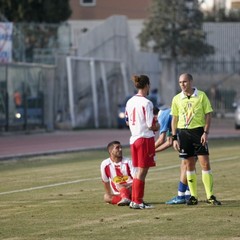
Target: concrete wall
109	40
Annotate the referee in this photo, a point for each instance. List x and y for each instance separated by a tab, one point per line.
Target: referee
191	118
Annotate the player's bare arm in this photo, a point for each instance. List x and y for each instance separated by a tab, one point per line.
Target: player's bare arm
174	133
204	137
107	187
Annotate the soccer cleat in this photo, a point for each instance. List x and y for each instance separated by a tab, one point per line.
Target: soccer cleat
124	202
213	201
187	197
176	200
148	206
192	201
143	205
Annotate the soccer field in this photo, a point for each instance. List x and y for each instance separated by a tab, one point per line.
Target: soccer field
61	197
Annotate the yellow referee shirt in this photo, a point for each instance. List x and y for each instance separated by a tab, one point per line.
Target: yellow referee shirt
191	110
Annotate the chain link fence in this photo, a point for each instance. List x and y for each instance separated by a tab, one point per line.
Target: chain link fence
39	43
220	79
26	97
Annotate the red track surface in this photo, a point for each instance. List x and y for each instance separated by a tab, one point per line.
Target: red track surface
32	144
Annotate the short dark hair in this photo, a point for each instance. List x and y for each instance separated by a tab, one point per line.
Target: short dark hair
111	144
190	77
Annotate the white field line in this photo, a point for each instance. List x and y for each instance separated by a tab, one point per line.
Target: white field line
48	186
211	161
91	179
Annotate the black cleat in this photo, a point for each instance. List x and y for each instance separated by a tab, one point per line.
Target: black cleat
213	201
192	201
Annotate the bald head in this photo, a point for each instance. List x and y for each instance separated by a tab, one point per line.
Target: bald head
187	76
185	83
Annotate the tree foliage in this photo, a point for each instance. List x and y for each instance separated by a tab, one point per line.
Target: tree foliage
38	11
174	28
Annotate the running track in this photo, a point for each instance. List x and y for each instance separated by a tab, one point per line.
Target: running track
18	145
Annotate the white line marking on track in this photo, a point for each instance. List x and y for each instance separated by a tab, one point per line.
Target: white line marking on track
91	179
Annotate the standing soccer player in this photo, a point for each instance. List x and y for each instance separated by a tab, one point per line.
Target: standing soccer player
163	142
140	119
117	176
191	115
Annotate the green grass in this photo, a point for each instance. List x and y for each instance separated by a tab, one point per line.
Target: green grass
61	197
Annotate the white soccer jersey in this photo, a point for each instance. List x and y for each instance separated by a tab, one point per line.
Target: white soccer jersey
121	173
139	114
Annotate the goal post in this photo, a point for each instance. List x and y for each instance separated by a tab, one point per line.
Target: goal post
93	78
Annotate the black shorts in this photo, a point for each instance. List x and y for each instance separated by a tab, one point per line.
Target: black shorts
190	143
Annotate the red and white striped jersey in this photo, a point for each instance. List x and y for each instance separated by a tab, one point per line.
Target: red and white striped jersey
139	114
121	173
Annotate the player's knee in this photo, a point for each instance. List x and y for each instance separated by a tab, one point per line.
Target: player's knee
206	166
204	162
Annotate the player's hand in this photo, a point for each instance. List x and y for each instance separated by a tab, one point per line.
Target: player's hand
204	139
155	127
176	145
